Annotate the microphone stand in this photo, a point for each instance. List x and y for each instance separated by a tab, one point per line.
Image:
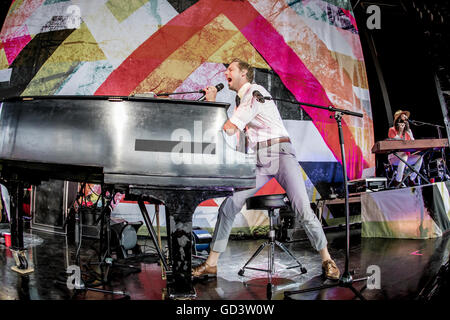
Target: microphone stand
202	98
346	280
187	92
173	93
420	123
80	283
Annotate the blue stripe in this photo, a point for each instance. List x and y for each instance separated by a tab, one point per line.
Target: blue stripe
325	176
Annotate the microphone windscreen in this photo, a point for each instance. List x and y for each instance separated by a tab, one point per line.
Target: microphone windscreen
219	87
258	96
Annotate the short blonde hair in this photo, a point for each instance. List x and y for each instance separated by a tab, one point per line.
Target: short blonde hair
245	66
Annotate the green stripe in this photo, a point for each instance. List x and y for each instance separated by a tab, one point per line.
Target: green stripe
341	221
123	9
385	229
344	4
317	13
47	2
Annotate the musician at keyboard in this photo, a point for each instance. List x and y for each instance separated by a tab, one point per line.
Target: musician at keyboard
276	158
402	131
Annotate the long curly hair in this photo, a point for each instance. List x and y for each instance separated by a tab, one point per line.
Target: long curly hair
398	121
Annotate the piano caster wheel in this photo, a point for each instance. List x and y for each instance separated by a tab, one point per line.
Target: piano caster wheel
303	270
241	272
21	263
269	291
20	259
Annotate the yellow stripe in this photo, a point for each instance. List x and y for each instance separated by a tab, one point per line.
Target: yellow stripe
239	47
123	9
354	69
3	61
49	78
212	44
79	46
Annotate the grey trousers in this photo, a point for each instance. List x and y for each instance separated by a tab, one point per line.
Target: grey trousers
277	161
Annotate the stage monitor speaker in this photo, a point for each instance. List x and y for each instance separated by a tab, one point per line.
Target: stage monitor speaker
367	185
328	210
49	203
124	237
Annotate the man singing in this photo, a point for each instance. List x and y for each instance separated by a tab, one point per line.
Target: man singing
275	158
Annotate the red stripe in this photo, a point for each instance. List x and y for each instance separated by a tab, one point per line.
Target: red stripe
157	48
271	187
208	203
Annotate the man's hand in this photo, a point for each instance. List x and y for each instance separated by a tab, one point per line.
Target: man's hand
210	93
230	128
401	128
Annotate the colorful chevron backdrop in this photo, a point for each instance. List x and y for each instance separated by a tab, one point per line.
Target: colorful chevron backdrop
306	50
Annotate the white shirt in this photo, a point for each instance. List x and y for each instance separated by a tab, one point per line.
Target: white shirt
262	120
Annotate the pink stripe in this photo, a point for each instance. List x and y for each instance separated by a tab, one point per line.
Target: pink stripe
305	87
350	16
13	46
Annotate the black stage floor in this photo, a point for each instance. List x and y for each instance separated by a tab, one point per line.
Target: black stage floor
406	266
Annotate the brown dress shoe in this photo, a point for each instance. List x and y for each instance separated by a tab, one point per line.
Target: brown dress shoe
330	270
204	270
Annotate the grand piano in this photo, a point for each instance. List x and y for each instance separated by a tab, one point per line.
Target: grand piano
172	151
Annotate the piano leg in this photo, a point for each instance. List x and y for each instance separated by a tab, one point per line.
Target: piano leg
179	232
180	206
16	226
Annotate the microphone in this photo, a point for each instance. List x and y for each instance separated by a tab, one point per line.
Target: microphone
259	97
218	87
